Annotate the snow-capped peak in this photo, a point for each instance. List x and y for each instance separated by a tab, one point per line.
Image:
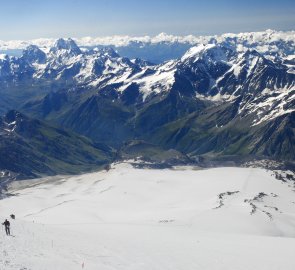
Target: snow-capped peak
33	54
214	52
107	51
68	45
3	56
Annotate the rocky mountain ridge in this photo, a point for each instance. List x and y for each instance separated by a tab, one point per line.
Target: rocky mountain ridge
216	103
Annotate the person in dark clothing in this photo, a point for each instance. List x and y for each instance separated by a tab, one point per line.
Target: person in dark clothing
6	223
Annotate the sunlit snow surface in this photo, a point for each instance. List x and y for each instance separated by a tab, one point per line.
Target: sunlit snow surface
128	218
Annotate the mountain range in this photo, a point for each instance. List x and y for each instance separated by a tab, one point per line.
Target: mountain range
223	100
164	47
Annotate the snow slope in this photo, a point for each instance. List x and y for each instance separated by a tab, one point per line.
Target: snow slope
128	218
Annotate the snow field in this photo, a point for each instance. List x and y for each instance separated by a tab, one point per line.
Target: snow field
127	218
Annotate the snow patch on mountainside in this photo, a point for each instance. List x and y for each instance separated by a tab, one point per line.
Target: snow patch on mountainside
3	56
195	51
161	81
272	106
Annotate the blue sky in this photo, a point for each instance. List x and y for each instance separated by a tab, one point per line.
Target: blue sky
26	19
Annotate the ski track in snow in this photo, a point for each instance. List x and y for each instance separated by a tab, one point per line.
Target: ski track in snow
131	218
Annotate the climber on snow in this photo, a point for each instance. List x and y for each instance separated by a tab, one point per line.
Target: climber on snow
6	223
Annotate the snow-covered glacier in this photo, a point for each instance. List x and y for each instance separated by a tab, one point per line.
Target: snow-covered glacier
138	218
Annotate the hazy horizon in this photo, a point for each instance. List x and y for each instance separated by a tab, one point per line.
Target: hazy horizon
142	37
24	20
